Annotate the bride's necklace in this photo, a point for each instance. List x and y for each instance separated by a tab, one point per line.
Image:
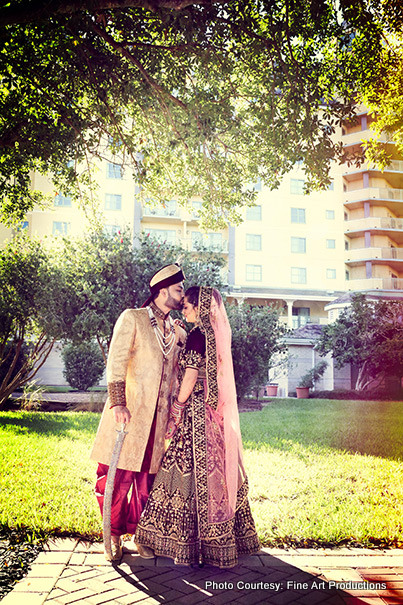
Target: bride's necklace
167	342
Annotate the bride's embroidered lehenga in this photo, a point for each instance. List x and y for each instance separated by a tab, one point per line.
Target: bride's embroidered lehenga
198	509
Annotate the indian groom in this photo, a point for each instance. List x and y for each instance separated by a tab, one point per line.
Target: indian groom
141	374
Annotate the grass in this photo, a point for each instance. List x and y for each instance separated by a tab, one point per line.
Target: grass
47	478
65	389
326	472
320	472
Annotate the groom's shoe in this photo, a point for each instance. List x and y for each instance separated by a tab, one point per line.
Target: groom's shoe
144	551
116	549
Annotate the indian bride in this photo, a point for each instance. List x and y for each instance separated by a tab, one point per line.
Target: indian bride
198	510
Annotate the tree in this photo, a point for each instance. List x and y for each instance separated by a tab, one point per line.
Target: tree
256	337
100	275
23	275
368	334
381	84
196	98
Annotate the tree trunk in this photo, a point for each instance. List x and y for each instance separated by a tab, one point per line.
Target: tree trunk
363	380
102	347
35	361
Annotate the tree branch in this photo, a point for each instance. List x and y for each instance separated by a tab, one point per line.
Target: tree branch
37	10
148	78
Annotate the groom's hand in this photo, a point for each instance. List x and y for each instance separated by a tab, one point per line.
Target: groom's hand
121	414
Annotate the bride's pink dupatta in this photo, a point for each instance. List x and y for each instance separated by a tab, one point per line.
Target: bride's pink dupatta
225	470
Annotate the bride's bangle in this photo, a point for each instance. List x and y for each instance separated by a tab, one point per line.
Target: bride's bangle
178	405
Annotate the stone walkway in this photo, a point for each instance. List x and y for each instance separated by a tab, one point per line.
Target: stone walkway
72	571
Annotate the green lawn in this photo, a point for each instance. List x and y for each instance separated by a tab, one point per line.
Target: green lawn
320	471
326	471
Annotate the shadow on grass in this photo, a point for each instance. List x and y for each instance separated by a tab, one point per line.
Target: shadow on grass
372	428
65	424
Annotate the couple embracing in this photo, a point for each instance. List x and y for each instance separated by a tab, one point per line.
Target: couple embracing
182	455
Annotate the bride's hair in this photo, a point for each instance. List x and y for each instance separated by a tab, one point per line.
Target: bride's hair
192	294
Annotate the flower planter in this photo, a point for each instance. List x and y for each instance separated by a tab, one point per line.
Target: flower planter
302	392
271	390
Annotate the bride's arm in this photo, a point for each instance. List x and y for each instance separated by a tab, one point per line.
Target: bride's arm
188	382
179	404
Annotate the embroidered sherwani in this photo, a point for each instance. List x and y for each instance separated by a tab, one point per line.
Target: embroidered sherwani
140	377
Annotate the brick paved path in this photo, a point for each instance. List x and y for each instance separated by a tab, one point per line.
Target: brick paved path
76	572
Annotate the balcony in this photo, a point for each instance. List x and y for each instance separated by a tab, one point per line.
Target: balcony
393	172
170	211
213	246
386	197
356	138
392	257
221	247
376	283
376	225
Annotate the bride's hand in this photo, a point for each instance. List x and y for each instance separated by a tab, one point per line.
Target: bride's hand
171	429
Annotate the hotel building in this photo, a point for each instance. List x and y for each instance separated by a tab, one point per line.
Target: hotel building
300	253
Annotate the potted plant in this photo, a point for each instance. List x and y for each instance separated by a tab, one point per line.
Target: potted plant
277	369
271	389
308	380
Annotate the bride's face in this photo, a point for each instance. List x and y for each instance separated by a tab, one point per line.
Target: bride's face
189	311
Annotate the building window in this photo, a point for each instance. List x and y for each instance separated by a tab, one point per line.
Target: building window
254	213
297	186
196	208
253	272
331	273
111	229
170	208
167	236
113	201
331	244
253	241
331	186
300	316
63	200
60	228
330	215
258	185
298	215
345	216
298	245
115	142
167	208
347	275
197	240
346	245
298	275
212	241
114	171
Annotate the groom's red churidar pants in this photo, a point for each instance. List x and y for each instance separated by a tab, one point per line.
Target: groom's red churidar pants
125	513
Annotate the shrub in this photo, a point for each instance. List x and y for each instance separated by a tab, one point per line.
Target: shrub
313	375
83	365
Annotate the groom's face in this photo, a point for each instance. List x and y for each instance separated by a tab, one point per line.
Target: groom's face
175	296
